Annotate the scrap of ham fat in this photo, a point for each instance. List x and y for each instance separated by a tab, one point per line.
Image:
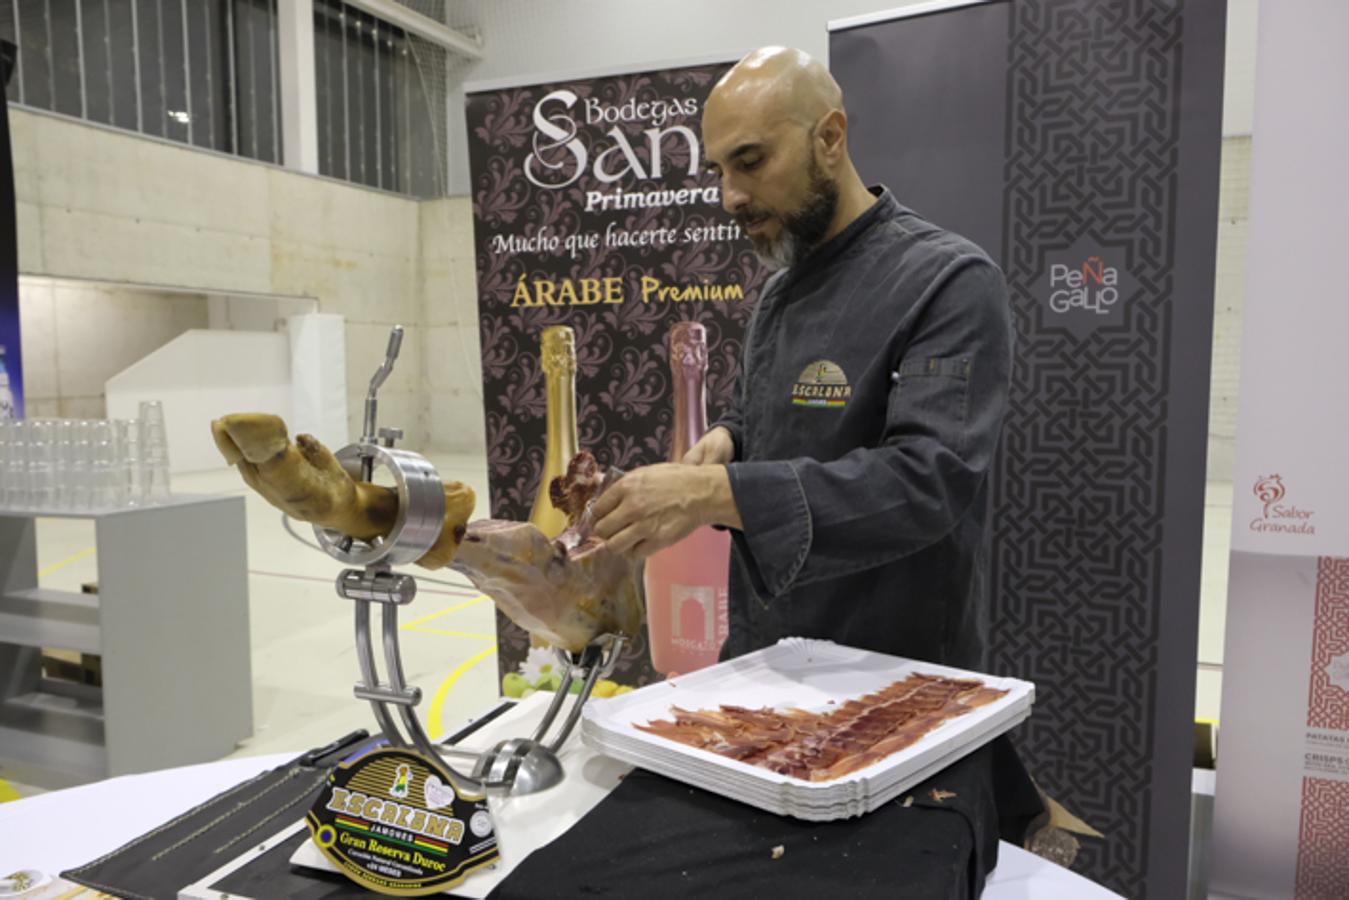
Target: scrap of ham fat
572	492
822	747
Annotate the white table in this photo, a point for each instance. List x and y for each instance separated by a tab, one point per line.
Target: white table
60	830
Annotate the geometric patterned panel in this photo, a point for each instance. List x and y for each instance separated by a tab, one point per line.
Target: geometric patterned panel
1328	701
1323	841
1091	187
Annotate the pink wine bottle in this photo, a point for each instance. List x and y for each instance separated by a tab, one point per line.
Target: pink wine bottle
686	583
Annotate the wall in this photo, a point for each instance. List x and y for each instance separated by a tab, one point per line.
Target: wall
1233	206
231	312
103	205
451	349
77	336
526	39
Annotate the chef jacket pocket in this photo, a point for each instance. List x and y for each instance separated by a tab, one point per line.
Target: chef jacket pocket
931	397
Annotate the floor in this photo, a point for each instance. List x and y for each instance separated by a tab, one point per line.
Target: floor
304	664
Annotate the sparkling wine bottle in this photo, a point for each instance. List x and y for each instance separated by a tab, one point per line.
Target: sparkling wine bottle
686	583
558	357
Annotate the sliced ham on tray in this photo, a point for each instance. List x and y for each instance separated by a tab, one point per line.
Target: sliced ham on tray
828	745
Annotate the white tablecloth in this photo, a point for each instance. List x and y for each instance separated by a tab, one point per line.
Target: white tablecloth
63	829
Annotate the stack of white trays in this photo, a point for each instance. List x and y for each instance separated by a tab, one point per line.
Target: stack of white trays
805	674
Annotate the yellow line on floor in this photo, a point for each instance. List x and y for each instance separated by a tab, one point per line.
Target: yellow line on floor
433	715
445	612
475	635
73	558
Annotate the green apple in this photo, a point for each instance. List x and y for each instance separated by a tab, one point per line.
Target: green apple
514	685
548	681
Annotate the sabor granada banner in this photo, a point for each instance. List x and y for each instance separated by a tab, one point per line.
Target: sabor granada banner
1281	814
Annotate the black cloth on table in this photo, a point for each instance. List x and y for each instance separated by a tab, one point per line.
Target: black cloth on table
193	845
653	837
649	838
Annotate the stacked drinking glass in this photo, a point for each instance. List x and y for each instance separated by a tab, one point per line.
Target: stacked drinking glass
154	452
84	464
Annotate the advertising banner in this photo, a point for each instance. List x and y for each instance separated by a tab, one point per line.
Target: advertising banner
1290	493
593	212
1078	142
11	354
1281	811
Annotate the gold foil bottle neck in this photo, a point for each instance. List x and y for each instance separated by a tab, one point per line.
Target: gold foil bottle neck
688	348
558	353
557	356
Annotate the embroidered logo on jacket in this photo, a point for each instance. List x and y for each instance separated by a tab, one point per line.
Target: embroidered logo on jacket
822	384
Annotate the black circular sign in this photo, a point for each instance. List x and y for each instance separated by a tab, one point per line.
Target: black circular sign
390	823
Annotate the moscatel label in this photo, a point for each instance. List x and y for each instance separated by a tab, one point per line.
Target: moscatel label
390	823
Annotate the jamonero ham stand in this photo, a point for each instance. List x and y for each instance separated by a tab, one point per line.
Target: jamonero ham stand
514	766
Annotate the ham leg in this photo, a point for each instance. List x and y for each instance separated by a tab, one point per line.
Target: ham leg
568	591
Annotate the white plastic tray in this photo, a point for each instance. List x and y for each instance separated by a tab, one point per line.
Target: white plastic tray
806	674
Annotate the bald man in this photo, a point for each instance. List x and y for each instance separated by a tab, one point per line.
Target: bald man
853	466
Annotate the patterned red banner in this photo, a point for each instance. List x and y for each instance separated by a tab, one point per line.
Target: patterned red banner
1323	840
1328	700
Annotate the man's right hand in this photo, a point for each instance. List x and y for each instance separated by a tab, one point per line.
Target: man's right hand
716	448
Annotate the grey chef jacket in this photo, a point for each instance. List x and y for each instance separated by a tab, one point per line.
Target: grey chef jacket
873	390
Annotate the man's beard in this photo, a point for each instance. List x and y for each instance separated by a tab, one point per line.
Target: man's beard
802	229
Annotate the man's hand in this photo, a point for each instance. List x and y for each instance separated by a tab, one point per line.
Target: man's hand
715	448
649	509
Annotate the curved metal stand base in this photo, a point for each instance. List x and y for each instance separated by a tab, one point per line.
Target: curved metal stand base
515	766
525	766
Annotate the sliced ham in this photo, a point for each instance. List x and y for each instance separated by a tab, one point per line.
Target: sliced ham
822	747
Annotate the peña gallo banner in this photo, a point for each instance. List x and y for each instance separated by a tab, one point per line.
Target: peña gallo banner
1078	143
593	212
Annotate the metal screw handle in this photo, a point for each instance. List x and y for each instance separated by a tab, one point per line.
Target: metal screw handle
371	397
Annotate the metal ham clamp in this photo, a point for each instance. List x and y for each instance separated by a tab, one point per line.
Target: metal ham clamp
513	766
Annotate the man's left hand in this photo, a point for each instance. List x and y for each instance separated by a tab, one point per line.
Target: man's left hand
651	508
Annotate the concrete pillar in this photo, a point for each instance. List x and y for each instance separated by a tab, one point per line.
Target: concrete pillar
299	107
